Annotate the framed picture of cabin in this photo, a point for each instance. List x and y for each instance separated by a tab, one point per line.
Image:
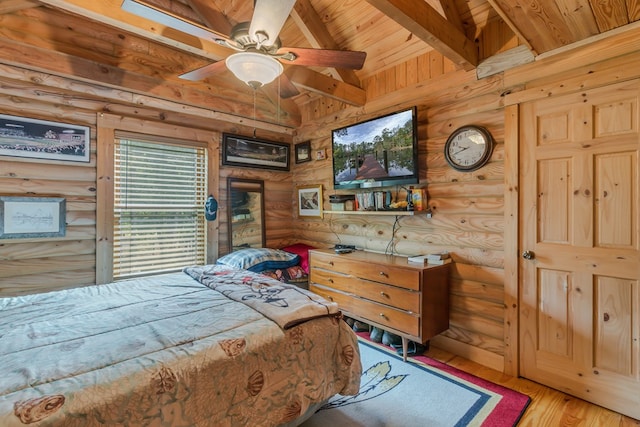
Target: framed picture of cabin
29	217
310	201
254	153
41	139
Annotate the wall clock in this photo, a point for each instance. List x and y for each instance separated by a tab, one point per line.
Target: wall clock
468	148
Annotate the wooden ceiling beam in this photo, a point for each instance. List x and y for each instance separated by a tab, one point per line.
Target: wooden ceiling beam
507	19
314	30
8	6
109	12
427	24
72	67
452	13
326	86
503	61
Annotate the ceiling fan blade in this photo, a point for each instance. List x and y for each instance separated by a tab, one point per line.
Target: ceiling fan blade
165	17
204	72
287	89
268	19
350	59
211	15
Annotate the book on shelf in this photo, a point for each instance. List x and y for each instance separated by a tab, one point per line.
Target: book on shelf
418	259
439	261
438	255
423	259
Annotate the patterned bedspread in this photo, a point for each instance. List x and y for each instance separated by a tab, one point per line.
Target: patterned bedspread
285	304
164	351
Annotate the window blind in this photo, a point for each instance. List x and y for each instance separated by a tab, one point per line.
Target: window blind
159	197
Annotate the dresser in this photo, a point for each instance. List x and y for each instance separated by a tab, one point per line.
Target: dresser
385	291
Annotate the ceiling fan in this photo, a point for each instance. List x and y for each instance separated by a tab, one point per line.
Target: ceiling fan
259	53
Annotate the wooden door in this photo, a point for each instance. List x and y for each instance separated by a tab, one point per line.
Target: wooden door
579	301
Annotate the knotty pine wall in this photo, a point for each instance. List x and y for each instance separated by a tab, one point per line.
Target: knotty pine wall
45	264
475	214
468	208
37	264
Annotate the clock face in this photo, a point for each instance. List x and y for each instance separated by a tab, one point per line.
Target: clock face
468	148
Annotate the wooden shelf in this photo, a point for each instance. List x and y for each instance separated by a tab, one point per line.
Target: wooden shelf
393	213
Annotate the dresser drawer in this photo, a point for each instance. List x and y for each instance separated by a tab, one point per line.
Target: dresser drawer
370	311
379	292
345	301
331	279
387	316
397	276
385	273
388	295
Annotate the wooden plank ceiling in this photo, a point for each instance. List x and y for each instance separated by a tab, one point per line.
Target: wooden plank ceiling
98	41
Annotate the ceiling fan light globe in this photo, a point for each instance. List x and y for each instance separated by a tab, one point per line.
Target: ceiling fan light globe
255	69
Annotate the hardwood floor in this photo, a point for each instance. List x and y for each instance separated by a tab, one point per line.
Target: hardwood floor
548	407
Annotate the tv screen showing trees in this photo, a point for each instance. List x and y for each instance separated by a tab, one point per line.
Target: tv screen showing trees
378	152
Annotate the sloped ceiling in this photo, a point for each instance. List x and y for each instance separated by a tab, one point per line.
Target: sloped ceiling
97	41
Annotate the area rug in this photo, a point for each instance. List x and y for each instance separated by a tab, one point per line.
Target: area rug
419	393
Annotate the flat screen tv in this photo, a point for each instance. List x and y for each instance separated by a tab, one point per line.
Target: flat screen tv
376	153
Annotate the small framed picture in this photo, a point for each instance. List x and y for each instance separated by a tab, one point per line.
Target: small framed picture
310	201
321	154
29	217
303	152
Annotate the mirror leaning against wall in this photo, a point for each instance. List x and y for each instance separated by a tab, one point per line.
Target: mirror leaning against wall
246	213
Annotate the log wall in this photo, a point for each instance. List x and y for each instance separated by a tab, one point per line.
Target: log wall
468	208
45	264
475	213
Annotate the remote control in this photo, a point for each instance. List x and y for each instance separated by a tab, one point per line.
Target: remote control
343	250
339	246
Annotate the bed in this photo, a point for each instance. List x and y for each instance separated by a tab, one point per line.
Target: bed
210	346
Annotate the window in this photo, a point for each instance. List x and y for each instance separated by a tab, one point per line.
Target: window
159	197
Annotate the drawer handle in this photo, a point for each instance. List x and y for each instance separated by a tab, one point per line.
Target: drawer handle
330	262
384	295
384	316
382	273
330	280
330	298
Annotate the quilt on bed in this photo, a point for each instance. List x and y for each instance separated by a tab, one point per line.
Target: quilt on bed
167	351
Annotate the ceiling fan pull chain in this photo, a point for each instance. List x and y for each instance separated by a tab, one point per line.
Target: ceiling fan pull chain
254	113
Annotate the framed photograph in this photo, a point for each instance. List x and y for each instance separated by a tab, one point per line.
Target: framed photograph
303	152
310	201
40	139
254	153
27	217
321	154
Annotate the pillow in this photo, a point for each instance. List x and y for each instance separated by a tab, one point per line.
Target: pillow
259	259
302	251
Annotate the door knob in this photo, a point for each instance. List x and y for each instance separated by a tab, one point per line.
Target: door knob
528	255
